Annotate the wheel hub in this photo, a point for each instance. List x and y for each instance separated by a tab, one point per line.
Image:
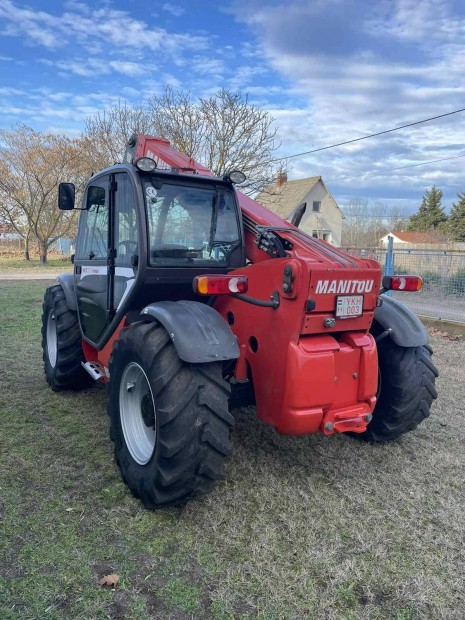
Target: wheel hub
52	346
137	413
147	411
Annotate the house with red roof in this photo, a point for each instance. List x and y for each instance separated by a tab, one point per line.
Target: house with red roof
409	238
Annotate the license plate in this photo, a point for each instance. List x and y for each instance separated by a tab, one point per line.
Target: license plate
348	306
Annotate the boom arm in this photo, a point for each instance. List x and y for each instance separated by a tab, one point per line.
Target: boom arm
161	151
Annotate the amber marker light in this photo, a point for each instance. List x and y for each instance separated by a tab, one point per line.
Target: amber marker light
402	283
220	285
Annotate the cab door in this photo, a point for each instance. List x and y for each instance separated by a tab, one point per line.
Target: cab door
91	274
126	239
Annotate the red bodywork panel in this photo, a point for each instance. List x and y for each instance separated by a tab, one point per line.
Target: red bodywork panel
103	356
308	375
304	372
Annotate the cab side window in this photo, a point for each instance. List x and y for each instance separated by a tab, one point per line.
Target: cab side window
126	239
93	225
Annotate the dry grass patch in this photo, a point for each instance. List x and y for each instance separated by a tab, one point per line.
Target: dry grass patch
308	527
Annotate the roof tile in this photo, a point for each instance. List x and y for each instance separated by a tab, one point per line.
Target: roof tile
415	237
285	199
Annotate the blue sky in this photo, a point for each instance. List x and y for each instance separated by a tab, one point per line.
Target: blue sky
327	71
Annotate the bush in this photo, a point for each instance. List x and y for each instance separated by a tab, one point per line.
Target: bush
455	284
431	279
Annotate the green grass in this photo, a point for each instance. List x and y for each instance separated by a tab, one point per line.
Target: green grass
15	264
308	527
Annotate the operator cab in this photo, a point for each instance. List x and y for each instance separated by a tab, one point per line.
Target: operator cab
144	236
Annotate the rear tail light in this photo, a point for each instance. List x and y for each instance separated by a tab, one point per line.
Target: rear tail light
402	283
220	285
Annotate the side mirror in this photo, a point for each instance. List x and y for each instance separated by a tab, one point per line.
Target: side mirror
66	195
296	216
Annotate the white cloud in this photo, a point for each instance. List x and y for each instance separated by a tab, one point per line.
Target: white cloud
207	66
363	70
87	27
94	66
243	75
9	92
131	69
174	9
47	108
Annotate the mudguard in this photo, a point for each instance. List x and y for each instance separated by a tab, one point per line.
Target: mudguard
198	332
67	284
406	328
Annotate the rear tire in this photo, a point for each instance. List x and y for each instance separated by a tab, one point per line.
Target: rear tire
170	421
407	377
62	344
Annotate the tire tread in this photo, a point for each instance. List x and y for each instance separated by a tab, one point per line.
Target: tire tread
193	419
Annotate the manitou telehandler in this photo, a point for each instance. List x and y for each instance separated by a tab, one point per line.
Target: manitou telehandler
189	297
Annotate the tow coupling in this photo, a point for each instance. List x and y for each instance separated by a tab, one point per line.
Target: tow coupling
350	419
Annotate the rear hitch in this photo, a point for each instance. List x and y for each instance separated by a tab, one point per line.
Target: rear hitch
353	419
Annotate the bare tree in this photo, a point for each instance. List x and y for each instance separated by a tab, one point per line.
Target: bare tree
365	224
224	132
31	167
398	219
107	133
355	222
180	120
239	135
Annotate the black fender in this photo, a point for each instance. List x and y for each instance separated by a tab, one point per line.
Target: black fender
199	333
406	328
67	284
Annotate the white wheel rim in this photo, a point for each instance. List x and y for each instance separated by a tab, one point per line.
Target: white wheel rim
137	413
52	338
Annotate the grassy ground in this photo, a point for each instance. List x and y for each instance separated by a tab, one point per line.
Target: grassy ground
307	527
18	265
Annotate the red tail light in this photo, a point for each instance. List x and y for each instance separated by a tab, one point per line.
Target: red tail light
402	283
220	285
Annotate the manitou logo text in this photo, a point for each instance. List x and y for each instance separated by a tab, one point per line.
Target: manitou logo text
347	287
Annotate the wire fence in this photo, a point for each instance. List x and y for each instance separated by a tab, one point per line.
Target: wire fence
443	273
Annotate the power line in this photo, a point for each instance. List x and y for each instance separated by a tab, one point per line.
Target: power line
366	174
372	135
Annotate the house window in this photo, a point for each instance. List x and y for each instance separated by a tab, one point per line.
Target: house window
316	206
326	236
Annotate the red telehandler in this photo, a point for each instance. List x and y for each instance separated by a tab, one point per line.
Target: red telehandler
188	298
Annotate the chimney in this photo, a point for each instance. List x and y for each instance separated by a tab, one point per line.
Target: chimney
282	178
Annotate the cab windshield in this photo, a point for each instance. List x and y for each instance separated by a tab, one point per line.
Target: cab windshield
190	225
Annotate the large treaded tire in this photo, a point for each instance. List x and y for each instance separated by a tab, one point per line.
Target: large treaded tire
407	377
61	326
192	422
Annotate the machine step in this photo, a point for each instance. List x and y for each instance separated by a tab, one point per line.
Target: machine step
96	370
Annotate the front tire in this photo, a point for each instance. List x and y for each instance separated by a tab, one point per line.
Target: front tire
407	391
170	421
62	343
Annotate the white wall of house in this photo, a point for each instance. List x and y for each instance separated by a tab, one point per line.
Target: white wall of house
327	222
384	240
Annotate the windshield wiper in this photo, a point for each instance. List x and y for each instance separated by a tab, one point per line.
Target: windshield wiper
175	252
